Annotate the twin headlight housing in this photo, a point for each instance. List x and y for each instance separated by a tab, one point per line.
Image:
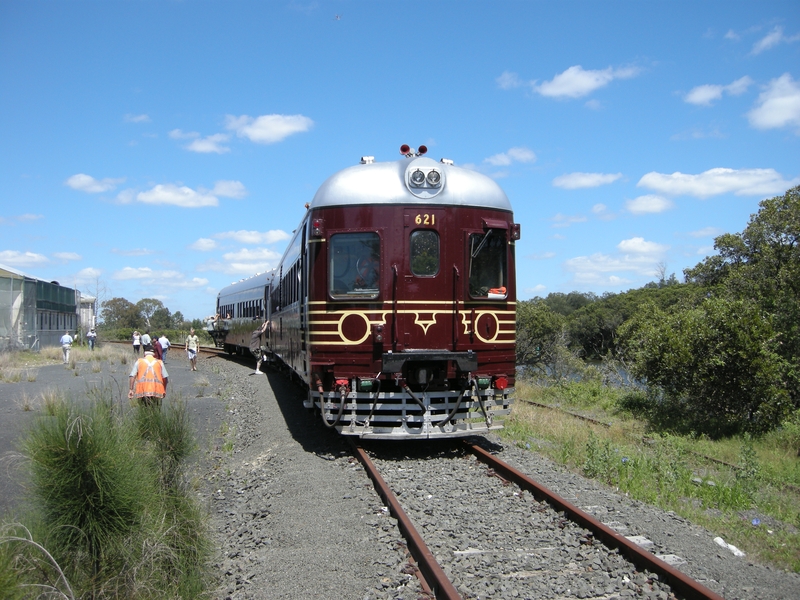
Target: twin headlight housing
428	178
424	181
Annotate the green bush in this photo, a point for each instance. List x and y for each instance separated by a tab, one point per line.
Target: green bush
714	366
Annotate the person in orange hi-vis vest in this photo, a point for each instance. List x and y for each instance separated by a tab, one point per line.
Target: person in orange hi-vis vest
148	379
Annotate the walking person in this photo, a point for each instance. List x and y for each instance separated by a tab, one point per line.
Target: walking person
91	337
158	351
137	342
66	344
164	342
191	347
148	379
146	341
258	346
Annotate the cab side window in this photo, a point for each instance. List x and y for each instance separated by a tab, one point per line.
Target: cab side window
488	265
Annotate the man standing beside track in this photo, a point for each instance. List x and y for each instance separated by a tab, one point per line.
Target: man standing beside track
191	347
148	379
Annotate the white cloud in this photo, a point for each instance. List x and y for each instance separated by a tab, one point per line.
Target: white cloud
640	247
132	252
649	204
268	129
542	256
705	232
508	81
129	118
743	182
87	276
635	255
254	237
705	95
14	258
178	134
732	35
778	105
561	220
29	217
87	183
168	278
244	262
203	245
174	195
229	189
574	181
599	209
576	82
67	256
772	39
212	143
519	154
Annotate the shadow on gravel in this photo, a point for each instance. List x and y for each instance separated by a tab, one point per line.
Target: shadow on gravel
307	428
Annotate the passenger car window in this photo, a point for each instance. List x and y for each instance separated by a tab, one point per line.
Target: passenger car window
354	265
424	252
488	264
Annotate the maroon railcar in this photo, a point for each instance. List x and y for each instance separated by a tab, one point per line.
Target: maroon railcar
395	301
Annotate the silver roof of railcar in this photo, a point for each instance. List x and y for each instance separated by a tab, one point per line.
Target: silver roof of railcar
256	281
385	183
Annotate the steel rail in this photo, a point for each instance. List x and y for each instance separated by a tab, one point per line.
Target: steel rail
434	575
688	587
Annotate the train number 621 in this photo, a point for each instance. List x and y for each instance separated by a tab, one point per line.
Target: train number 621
425	219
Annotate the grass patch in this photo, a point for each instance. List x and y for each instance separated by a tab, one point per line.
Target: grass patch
745	489
110	512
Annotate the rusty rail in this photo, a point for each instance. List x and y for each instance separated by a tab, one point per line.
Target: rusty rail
434	576
689	588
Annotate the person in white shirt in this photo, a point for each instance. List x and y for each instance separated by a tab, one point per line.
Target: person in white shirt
164	347
66	344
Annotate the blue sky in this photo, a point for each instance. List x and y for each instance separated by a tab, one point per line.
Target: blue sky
166	149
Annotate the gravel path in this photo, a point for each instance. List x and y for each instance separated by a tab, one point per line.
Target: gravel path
294	516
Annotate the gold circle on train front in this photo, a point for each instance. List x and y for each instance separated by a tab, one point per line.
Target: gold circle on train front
476	327
367	328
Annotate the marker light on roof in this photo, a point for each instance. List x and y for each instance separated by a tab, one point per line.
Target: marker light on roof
405	149
422	150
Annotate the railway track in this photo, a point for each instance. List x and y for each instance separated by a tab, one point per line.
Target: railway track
467	557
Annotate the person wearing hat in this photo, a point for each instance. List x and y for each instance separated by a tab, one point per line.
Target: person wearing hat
91	337
148	379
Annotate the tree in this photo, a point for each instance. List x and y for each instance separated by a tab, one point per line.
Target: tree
539	331
762	264
566	304
161	319
716	364
148	306
177	319
118	312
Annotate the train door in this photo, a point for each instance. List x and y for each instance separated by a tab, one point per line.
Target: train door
426	297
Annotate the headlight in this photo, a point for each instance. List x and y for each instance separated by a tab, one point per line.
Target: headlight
417	178
434	178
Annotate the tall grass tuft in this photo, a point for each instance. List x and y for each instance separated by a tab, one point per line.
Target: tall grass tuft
90	484
110	500
170	435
